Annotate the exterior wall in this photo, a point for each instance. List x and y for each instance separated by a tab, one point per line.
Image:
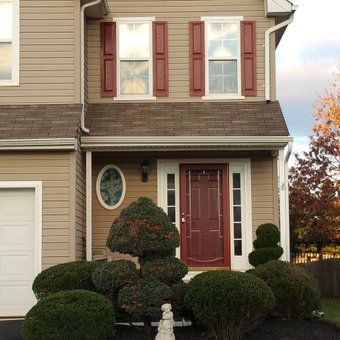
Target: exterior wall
55	170
263	179
49	54
178	14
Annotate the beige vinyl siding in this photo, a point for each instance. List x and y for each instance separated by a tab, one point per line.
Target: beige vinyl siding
49	60
263	185
179	14
53	169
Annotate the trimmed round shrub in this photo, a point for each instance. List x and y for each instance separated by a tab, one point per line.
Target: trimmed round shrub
145	298
143	229
268	235
75	314
65	276
296	292
169	270
114	275
263	255
229	303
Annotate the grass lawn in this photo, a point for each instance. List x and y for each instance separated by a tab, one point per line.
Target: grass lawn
331	308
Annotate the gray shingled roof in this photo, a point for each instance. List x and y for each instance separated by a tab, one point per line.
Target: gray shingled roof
39	121
186	119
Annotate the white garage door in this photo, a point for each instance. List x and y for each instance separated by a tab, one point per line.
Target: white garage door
17	251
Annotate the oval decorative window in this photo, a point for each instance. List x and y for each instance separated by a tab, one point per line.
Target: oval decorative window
111	187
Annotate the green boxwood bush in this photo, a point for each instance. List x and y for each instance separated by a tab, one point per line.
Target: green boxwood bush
264	255
229	303
114	275
296	292
144	298
65	276
143	229
169	270
75	314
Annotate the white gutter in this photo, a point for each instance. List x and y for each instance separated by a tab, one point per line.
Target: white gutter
267	52
39	144
82	62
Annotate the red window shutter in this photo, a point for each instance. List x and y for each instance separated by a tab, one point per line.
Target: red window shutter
197	69
248	46
108	58
160	59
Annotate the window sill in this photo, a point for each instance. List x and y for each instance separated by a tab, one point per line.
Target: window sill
221	97
9	83
135	98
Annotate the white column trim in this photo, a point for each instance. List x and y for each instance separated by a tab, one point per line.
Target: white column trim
88	205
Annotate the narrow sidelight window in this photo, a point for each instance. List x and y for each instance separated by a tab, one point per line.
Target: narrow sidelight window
237	214
171	198
9	42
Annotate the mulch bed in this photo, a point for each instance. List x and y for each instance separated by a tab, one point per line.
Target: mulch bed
272	329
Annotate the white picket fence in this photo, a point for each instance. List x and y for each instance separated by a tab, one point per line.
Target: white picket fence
311	257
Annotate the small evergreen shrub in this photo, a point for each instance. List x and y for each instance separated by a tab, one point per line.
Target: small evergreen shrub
296	292
143	229
75	314
65	276
266	248
263	255
114	275
229	303
144	298
169	270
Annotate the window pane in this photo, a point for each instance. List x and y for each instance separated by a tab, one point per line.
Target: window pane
6	20
171	181
6	61
237	230
237	197
229	84
236	180
171	214
171	197
134	40
230	30
223	77
237	214
111	187
134	77
238	247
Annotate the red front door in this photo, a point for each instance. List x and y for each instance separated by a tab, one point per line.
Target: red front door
205	215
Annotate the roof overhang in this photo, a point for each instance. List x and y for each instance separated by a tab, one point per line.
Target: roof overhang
277	8
177	143
98	11
38	144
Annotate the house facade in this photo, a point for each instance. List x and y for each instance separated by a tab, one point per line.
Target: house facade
102	102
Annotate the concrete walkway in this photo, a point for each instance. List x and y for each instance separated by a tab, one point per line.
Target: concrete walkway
11	329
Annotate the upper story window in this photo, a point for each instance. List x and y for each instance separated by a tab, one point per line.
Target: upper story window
9	42
223	64
134	76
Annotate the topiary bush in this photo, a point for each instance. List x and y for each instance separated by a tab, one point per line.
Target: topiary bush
296	292
266	248
114	275
65	276
75	314
229	303
169	270
143	229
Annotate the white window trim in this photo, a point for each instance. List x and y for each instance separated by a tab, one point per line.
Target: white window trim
37	186
15	47
133	20
237	95
99	177
242	165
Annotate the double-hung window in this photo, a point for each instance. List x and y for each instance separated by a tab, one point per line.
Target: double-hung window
9	42
134	58
223	65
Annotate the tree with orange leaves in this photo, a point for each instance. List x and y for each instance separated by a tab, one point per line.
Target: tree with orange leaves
315	181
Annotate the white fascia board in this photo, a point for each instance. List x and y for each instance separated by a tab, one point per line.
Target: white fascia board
185	141
278	7
39	144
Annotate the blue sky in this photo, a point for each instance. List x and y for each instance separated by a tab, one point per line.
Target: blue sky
308	56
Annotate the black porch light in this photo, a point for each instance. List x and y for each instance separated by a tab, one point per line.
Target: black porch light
145	171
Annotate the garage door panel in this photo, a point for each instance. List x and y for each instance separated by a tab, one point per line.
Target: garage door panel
17	267
18	235
19	204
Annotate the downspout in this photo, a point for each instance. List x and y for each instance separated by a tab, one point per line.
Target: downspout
267	53
82	63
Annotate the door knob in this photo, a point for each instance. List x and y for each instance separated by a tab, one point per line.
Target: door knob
183	218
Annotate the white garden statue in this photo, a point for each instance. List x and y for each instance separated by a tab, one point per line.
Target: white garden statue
166	325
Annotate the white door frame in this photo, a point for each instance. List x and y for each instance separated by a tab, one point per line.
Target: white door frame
37	186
